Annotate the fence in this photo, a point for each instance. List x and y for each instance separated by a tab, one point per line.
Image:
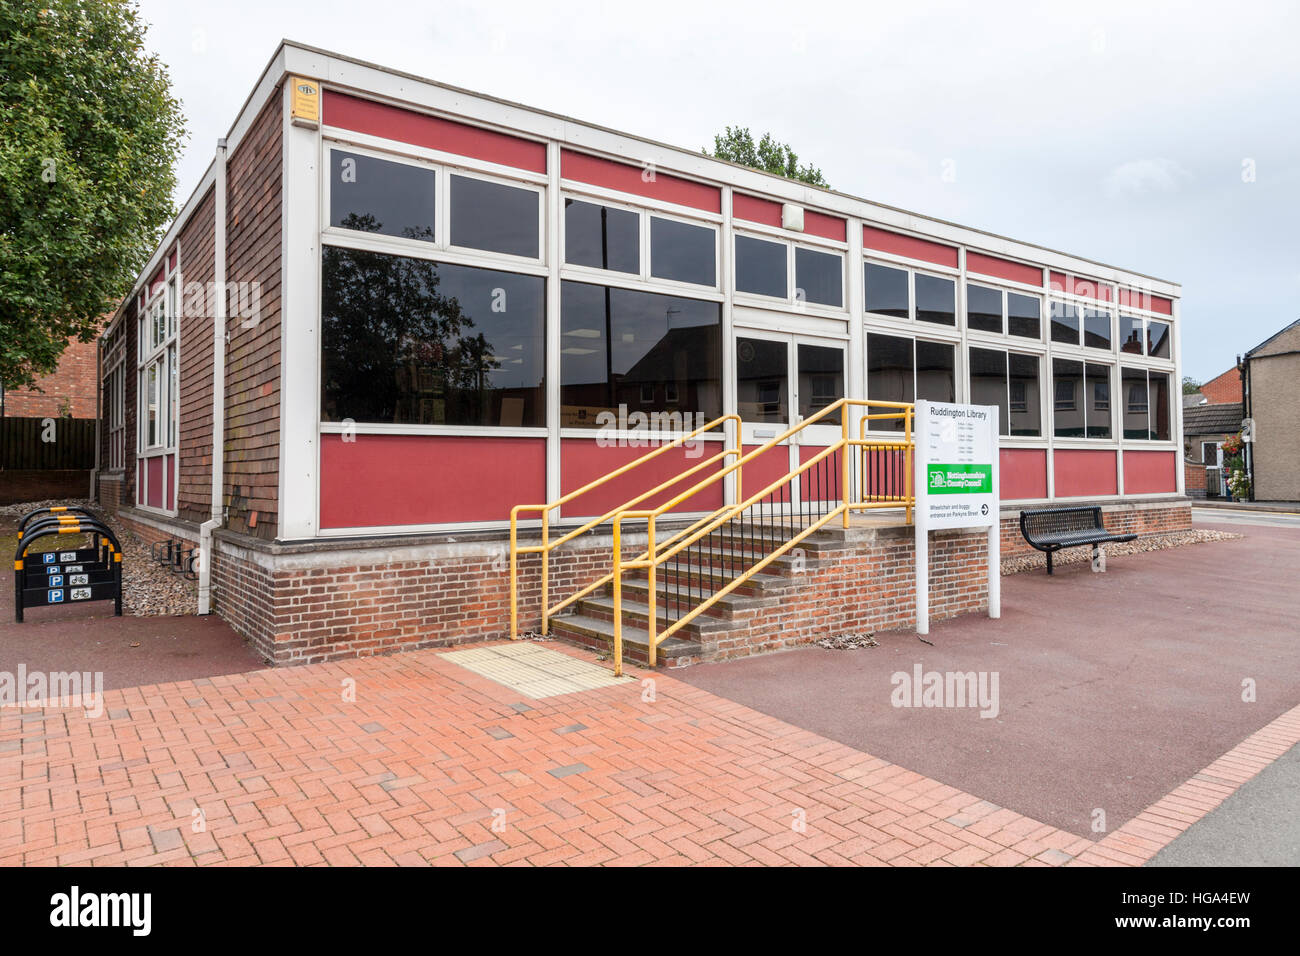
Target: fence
47	444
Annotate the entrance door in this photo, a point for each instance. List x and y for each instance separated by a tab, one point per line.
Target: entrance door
781	379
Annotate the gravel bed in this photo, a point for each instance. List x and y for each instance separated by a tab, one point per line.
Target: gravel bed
1151	542
848	642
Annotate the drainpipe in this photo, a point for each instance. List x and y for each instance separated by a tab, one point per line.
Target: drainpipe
218	382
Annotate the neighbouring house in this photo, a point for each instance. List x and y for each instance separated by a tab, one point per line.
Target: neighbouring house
1271	371
393	310
1205	428
1223	389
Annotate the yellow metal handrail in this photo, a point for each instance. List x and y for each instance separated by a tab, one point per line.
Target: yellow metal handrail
547	545
653	557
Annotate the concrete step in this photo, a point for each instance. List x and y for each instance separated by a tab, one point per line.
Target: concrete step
599	634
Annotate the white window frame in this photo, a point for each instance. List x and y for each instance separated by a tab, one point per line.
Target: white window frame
161	310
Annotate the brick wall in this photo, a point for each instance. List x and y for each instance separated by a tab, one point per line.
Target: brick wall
1224	388
1194	479
252	451
1142	518
69	389
194	480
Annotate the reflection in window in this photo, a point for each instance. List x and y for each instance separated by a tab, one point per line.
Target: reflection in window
821	380
1098	380
494	217
1096	329
983	308
1093	382
1024	315
1158	339
410	341
381	196
683	252
761	267
762	381
936	299
901	370
820	276
1130	334
1025	416
1146	404
602	237
1065	323
886	291
988	382
620	347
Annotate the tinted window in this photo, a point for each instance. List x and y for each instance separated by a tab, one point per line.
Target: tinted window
376	195
1024	315
886	292
410	341
762	381
1096	329
1025	417
1130	334
891	374
936	380
682	252
653	354
1159	406
1134	412
1098	393
1067	398
1158	339
983	308
821	380
602	237
760	267
820	275
1065	323
988	382
936	299
494	217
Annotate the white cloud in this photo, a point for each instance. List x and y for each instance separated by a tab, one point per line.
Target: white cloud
1141	176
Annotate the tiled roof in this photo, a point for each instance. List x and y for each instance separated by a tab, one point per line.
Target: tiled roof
1212	419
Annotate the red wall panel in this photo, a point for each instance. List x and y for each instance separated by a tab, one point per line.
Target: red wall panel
381	480
582	460
1077	285
432	132
828	227
1084	472
623	177
1144	300
765	469
1003	269
1148	472
154	487
753	209
892	242
1022	473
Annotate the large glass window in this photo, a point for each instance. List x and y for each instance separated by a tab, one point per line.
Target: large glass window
1024	315
886	291
762	380
1146	404
158	372
820	276
1158	338
495	217
1010	381
761	267
649	353
381	196
988	381
410	341
683	252
903	370
1096	329
821	379
1081	399
602	237
1065	323
983	308
936	299
1131	335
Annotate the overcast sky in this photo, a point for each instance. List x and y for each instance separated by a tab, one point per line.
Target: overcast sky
1124	132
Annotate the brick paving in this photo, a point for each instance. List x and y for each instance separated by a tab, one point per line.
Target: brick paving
431	763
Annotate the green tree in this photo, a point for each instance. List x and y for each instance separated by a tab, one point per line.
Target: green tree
89	136
1190	385
737	145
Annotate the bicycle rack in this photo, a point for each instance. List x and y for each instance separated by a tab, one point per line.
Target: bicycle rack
46	578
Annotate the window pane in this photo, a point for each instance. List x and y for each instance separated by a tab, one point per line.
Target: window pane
988	382
983	308
886	292
820	275
1134	382
173	392
762	381
821	380
1158	339
936	379
376	195
152	408
602	237
890	374
1096	329
411	341
761	267
1130	334
1159	406
1098	401
681	251
1024	315
1065	323
494	217
1067	387
936	299
660	355
1025	402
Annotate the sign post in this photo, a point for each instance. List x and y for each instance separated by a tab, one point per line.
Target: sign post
956	484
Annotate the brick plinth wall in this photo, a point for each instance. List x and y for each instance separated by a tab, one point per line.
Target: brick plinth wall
1159	516
1194	479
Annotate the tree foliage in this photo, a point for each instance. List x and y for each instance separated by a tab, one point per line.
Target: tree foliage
89	136
1190	385
737	145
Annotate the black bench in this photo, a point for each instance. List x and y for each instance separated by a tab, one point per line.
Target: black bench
1051	529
